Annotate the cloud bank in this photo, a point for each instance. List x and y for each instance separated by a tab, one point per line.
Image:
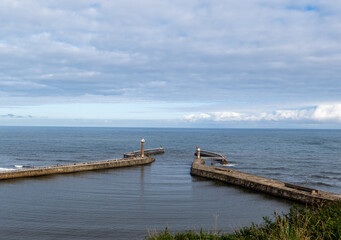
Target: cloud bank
230	51
322	113
263	60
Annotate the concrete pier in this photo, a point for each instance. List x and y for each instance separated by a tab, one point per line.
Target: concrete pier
146	152
210	156
77	167
261	184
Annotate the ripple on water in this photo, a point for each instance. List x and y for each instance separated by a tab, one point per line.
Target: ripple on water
124	203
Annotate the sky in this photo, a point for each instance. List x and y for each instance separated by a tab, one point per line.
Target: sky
133	63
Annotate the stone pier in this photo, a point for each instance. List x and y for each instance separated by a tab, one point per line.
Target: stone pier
261	184
77	167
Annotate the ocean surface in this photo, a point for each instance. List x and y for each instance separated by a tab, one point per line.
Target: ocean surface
130	203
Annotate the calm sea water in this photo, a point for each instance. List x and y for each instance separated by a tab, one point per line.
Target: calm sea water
128	203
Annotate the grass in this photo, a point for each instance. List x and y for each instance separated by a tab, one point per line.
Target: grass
321	222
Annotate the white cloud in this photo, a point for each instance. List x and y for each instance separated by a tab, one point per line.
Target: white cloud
320	113
227	116
282	115
242	55
327	113
196	117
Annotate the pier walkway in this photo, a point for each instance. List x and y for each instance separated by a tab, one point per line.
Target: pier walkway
76	167
131	159
212	156
261	184
147	152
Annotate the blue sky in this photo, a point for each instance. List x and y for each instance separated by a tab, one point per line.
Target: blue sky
170	63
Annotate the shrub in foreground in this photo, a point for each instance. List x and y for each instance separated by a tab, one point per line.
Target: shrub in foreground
322	222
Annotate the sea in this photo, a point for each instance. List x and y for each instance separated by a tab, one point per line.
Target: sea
136	202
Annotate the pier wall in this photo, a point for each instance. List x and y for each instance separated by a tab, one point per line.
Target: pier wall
147	152
78	167
260	184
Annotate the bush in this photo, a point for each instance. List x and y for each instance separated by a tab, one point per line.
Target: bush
322	222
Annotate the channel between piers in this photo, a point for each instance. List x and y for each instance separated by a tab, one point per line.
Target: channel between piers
261	184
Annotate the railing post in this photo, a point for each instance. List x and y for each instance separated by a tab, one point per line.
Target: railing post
142	147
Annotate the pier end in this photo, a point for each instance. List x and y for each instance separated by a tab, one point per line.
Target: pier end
262	184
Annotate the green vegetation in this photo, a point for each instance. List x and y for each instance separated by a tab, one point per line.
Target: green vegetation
323	222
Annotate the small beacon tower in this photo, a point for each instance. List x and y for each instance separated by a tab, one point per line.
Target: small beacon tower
198	159
142	147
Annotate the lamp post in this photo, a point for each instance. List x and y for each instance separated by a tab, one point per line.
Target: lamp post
142	147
